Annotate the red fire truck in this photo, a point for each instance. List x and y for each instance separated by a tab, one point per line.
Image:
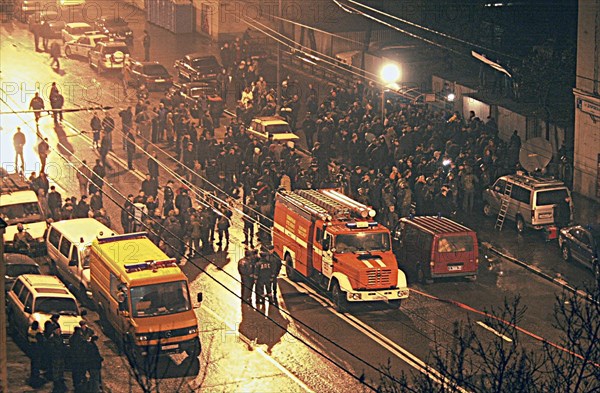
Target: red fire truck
333	240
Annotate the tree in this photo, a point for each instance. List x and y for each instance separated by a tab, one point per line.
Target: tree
502	363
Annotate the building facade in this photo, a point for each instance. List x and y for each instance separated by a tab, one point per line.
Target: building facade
586	175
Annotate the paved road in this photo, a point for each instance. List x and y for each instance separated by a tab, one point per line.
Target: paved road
306	345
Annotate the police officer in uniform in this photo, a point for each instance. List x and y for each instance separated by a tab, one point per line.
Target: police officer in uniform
262	271
246	270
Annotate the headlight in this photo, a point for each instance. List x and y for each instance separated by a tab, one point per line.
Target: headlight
403	293
142	338
356	296
193	330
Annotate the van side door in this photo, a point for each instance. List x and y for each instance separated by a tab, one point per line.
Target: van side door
62	264
74	266
520	203
53	242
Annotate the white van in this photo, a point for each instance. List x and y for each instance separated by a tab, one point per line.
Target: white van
68	248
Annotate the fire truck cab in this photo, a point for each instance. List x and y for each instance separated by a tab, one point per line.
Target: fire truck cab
329	238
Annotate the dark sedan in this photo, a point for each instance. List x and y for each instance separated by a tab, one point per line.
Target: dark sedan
582	244
150	73
16	265
198	67
115	27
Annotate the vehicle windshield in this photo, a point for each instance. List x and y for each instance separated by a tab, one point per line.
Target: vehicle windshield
551	197
208	62
23	213
455	244
17	270
160	299
155	69
56	305
109	50
362	242
279	129
80	30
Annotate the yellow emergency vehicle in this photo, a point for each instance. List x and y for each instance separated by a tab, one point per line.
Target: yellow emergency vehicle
143	295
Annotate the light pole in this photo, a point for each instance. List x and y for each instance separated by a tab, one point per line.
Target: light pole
390	73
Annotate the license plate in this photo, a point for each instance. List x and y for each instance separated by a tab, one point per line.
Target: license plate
454	268
171	346
159	80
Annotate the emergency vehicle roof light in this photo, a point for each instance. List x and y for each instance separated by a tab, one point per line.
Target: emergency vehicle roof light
361	224
127	236
150	265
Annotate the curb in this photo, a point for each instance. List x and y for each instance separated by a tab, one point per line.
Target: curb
557	281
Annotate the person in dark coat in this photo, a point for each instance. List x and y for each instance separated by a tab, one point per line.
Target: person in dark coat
77	357
57	352
127	214
443	203
35	337
172	234
98	174
246	270
169	197
262	271
105	149
54	203
153	166
94	365
562	212
82	209
96	126
275	263
130	147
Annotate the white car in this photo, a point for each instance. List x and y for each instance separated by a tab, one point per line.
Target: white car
73	31
271	127
83	45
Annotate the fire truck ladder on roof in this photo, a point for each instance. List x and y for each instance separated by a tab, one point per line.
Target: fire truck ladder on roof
334	202
305	204
504	207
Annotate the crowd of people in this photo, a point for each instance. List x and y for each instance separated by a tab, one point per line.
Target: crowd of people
50	354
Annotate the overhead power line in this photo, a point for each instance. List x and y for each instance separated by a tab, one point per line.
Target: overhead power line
430	30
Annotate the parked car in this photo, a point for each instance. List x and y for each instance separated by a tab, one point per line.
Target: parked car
36	298
108	55
73	31
198	67
271	127
150	73
17	265
115	27
83	45
531	200
582	244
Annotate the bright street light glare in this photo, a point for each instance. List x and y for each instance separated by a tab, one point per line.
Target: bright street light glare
390	73
451	97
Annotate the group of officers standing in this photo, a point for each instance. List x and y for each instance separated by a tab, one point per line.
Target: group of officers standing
259	272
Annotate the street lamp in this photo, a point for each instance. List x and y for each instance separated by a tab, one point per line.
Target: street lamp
390	73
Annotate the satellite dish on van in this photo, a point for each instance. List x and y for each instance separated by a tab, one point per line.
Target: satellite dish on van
535	154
